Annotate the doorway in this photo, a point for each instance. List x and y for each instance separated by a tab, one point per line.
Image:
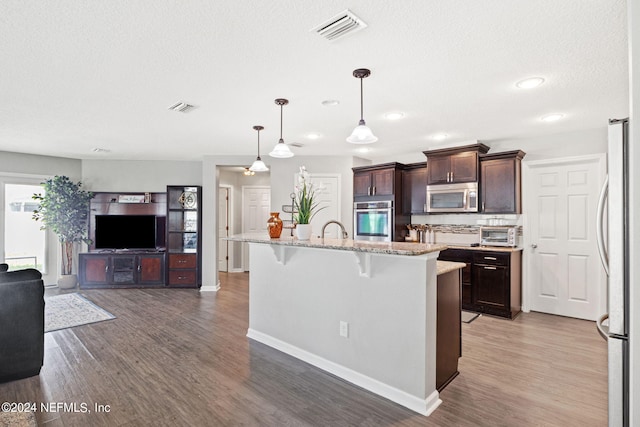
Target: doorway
564	273
256	205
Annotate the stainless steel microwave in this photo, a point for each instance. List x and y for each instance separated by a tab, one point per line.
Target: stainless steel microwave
461	197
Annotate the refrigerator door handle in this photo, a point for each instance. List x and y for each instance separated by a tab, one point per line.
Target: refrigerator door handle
604	333
602	248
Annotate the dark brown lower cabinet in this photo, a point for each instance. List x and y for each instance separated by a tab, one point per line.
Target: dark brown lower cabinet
449	328
491	281
97	270
183	270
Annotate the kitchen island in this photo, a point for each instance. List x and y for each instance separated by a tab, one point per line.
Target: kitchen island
363	311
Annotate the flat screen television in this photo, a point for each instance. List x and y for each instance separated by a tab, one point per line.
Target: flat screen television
125	232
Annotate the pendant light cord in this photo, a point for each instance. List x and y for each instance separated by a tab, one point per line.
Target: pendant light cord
361	102
281	140
258	145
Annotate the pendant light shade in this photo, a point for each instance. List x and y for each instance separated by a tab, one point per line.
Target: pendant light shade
281	150
258	165
361	134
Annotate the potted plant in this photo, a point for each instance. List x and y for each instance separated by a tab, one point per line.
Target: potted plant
64	209
306	206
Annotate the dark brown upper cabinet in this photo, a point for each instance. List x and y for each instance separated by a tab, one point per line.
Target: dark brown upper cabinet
378	180
500	187
454	165
414	187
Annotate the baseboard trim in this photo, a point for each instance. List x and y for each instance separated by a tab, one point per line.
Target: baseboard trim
421	406
215	288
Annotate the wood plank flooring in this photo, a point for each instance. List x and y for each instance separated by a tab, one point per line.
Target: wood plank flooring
181	358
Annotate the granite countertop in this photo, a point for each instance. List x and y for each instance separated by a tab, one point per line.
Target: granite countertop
388	248
448	266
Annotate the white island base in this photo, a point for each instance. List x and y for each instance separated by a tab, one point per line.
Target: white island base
303	299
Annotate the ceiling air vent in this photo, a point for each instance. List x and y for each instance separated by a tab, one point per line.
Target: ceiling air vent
181	107
295	144
340	25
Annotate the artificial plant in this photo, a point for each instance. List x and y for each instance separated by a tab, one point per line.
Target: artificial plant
64	209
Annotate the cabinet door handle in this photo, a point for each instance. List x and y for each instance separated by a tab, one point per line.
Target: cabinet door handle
182	277
491	258
489	268
182	261
139	268
374	190
368	191
448	173
482	206
451	177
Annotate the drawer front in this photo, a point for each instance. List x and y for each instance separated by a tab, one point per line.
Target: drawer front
186	277
491	258
183	260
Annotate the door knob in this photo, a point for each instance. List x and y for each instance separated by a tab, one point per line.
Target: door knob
533	245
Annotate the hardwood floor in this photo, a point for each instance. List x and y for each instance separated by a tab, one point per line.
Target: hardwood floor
178	357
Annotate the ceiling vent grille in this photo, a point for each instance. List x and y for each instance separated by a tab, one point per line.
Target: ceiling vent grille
340	25
181	107
295	144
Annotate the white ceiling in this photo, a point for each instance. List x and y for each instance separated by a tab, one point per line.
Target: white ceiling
75	75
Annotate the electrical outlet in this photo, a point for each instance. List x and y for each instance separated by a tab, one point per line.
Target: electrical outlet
344	329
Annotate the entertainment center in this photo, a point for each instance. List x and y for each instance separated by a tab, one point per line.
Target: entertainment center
144	240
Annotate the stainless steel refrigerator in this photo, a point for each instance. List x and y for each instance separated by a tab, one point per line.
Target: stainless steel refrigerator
613	244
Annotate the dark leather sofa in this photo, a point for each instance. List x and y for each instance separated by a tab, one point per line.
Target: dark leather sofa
21	323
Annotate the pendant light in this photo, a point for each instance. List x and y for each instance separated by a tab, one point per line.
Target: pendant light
361	134
258	165
281	150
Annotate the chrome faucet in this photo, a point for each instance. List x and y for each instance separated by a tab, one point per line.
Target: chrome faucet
333	221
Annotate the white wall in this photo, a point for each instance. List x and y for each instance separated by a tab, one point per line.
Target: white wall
138	176
30	164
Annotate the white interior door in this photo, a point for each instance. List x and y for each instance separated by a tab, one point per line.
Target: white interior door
327	192
256	205
565	276
223	229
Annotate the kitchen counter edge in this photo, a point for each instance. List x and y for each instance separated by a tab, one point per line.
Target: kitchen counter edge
387	248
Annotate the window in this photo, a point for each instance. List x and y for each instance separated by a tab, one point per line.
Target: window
24	242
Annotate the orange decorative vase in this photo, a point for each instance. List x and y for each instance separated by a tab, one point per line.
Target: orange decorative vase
274	225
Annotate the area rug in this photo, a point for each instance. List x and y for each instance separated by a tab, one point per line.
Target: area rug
18	419
468	317
69	310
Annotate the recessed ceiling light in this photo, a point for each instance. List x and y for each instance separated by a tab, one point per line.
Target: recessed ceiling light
530	83
313	135
394	115
330	102
552	117
363	150
440	136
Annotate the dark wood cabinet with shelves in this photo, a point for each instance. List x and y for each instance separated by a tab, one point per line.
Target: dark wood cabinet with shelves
500	186
454	165
414	187
131	269
184	239
491	280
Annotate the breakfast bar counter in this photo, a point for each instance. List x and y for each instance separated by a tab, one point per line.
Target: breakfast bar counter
365	312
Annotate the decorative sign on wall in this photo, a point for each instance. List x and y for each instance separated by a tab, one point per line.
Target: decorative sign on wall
131	198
